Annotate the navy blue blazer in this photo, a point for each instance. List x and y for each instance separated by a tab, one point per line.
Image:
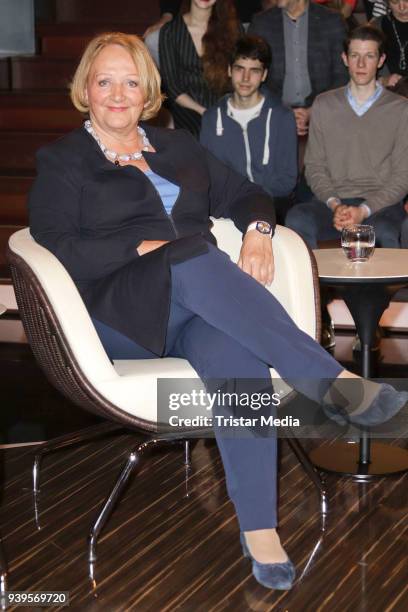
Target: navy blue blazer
92	215
326	33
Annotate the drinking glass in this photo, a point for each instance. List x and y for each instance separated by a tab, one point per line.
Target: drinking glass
358	242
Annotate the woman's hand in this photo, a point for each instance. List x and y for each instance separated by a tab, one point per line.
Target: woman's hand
150	245
165	18
302	117
186	101
393	79
256	257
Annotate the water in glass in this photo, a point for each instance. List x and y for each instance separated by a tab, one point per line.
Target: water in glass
358	242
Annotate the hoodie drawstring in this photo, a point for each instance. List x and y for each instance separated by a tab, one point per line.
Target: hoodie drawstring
219	128
265	160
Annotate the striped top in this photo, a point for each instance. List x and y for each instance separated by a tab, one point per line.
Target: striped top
182	72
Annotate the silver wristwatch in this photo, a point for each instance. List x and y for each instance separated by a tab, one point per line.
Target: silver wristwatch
263	227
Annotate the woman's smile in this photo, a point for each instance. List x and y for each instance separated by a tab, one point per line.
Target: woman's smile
116	101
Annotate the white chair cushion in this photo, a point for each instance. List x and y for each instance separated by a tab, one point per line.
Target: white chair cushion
293	281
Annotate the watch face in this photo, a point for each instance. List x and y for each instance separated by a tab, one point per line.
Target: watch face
264	227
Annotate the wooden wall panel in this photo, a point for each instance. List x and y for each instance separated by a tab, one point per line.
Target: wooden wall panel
37	73
4	73
106	10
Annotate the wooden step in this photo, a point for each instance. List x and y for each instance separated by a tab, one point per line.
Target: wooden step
4	73
13	199
56	99
17	149
51	99
5	233
39	119
106	11
64	46
14	173
91	29
41	73
13	209
38	112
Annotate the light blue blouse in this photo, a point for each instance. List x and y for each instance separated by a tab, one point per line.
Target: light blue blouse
167	191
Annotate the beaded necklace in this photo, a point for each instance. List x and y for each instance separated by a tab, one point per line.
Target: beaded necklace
113	156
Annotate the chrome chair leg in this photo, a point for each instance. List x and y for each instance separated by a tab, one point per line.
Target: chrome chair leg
88	433
311	559
187	453
187	467
3	578
312	472
133	461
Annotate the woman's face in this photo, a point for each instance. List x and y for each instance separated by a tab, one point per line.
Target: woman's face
399	8
203	3
113	93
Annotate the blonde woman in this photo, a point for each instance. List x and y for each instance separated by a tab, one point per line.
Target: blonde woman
125	208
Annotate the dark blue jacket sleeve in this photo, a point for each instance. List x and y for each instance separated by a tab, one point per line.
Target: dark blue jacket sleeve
55	215
280	179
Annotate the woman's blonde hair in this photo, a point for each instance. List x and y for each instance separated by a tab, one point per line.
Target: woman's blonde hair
149	77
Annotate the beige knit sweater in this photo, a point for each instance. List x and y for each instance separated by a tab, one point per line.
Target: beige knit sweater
350	156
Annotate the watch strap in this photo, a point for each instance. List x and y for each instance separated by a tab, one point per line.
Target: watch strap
253	226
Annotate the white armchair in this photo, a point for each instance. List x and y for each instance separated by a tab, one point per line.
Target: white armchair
68	349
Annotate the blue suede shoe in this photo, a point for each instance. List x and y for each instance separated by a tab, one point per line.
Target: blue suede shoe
386	405
271	575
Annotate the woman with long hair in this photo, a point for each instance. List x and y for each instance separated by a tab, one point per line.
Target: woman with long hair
395	27
194	49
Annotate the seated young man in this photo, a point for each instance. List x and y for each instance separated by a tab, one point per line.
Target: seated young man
250	130
356	160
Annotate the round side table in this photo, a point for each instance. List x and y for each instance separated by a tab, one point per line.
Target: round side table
367	289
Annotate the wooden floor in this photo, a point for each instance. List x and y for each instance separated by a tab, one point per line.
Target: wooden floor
172	543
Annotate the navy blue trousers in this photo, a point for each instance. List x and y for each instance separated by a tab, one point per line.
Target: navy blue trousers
313	221
228	326
404	233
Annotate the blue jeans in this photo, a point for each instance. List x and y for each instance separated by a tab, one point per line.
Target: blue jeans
228	326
